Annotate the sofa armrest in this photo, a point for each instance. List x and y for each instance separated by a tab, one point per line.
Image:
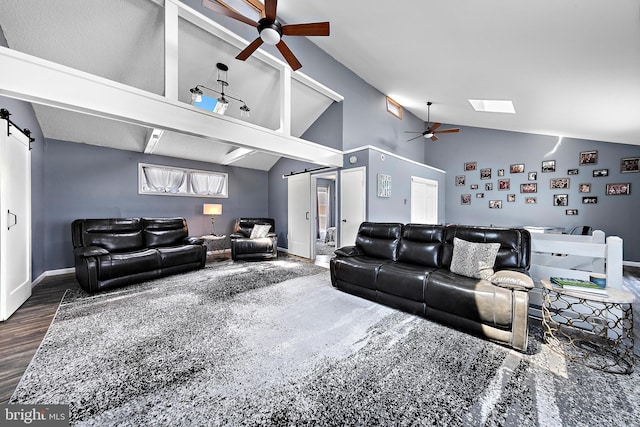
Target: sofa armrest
192	240
511	279
89	251
347	251
236	236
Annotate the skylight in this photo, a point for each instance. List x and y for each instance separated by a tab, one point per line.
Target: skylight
492	106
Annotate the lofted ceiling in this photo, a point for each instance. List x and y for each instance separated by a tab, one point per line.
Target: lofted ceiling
123	41
571	67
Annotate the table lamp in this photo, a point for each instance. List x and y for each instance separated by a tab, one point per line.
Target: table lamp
212	209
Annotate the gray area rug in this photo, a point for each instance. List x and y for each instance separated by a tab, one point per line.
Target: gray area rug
272	343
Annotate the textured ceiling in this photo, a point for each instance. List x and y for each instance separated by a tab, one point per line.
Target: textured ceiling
571	67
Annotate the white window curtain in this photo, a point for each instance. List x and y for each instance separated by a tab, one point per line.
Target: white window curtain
164	180
208	184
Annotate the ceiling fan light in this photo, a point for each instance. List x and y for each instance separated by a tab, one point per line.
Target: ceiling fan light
270	36
428	135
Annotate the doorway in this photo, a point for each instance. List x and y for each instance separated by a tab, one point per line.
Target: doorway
424	201
326	215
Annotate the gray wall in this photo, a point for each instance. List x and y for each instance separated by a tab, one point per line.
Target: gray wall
85	181
615	215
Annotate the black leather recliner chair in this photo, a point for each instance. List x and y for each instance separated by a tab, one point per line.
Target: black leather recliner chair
244	247
120	251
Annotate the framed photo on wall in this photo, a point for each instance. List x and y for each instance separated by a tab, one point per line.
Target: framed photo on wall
619	189
571	212
470	166
559	183
560	200
488	186
584	188
517	168
597	173
533	176
588	158
511	197
548	166
504	184
629	165
589	200
573	171
460	179
465	199
530	200
384	185
495	204
485	173
530	187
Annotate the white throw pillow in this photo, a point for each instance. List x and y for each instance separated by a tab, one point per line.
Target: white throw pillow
473	259
259	231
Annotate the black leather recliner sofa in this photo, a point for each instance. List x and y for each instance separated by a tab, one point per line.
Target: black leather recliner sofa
407	267
120	251
244	247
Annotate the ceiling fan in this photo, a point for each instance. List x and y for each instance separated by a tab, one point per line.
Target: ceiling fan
431	131
270	30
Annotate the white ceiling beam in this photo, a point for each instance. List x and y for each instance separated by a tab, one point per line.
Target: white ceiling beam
152	142
285	101
235	155
44	82
171	49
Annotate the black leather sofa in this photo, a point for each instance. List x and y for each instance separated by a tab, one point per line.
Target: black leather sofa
119	251
245	247
407	267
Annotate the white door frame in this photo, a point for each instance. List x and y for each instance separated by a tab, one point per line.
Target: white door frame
428	182
344	234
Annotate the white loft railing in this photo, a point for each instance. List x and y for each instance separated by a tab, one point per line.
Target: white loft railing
567	255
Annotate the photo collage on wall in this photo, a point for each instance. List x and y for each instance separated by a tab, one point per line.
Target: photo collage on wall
528	182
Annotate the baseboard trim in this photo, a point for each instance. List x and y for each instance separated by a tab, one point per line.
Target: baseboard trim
51	273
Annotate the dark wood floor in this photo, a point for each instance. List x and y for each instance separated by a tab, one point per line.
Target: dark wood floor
22	333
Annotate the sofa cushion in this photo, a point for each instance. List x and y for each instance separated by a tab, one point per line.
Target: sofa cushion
164	231
472	299
361	271
473	259
114	235
403	280
259	231
379	240
421	244
180	255
127	263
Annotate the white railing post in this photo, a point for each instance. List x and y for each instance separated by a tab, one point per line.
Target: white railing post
614	262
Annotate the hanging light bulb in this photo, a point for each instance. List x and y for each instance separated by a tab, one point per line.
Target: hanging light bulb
196	94
245	111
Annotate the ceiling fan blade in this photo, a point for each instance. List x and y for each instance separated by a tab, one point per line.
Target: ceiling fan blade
242	56
410	131
289	56
434	138
311	29
447	130
434	127
270	7
419	136
218	8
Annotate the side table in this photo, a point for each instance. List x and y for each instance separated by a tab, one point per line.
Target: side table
595	330
215	244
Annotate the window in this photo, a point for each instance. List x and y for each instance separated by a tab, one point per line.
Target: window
174	181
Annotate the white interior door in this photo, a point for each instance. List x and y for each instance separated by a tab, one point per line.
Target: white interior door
424	201
299	212
15	223
353	203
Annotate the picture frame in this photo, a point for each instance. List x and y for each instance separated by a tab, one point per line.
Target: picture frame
384	185
394	108
532	176
630	165
460	180
485	173
573	171
530	200
548	166
488	186
584	188
598	173
589	200
511	197
571	212
588	158
529	187
516	168
479	195
504	184
560	200
495	204
470	166
562	183
500	172
623	189
473	186
465	199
